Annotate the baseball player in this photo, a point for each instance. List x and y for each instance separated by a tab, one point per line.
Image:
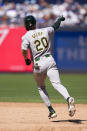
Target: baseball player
39	43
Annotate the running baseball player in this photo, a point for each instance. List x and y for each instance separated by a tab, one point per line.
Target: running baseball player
39	43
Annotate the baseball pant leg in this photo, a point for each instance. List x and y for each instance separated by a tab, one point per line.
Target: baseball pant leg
40	80
53	75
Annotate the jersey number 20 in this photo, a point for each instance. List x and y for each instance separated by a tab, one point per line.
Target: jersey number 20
41	44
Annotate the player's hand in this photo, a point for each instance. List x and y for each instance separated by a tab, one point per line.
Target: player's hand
28	61
62	18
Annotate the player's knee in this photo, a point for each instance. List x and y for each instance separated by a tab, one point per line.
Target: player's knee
56	85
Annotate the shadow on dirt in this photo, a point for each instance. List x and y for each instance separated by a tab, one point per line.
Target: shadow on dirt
77	121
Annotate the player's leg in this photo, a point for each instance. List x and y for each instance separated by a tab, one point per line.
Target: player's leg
53	75
40	80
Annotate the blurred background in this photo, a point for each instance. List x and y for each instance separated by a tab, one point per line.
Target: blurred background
12	12
69	48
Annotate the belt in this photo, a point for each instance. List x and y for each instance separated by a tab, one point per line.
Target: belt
38	58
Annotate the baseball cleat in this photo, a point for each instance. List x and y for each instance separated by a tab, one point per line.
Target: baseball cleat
71	106
52	115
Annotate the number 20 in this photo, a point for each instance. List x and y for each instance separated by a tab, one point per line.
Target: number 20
43	41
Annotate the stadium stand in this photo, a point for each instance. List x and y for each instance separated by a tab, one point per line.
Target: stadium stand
12	13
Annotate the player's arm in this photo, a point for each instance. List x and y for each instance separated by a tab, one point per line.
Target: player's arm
25	54
56	25
31	53
24	48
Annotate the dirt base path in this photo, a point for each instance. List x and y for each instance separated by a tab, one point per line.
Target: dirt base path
34	117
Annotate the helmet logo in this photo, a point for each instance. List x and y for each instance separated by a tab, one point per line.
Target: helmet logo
30	24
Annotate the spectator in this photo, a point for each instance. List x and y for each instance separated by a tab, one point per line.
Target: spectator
45	13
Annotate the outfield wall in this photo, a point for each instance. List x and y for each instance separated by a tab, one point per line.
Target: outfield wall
69	50
11	59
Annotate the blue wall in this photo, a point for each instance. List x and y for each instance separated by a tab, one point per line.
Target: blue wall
70	50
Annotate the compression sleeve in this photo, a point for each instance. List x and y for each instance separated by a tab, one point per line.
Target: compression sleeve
56	25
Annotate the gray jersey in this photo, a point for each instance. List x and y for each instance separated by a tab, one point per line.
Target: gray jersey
38	41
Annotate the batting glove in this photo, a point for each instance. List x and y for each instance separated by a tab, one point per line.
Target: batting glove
28	61
62	18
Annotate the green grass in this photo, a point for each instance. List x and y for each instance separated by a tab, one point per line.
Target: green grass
22	88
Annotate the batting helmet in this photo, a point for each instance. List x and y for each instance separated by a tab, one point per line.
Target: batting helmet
29	22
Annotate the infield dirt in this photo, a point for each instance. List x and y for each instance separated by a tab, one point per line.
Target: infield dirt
34	117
